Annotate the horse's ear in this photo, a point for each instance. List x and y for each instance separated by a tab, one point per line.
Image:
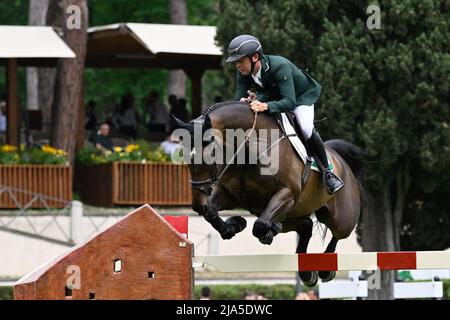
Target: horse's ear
207	123
181	123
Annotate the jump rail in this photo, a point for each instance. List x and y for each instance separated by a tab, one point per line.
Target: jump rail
327	261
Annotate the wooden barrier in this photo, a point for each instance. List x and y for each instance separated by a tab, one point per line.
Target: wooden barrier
133	183
140	257
23	182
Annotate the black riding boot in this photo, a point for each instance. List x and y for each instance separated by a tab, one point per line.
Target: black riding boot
330	180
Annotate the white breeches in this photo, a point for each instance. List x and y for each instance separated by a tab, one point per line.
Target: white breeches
305	117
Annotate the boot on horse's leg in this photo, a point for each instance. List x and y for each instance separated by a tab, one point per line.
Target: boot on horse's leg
304	231
329	275
332	182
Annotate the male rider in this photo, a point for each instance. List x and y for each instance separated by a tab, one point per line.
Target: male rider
280	86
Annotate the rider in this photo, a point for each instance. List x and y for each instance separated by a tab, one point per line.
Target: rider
280	86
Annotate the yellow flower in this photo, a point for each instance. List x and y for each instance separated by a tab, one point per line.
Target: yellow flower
48	149
131	147
9	148
117	149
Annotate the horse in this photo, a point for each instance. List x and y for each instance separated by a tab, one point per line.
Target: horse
280	201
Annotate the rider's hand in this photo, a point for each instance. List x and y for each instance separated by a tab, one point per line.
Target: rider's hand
258	106
251	97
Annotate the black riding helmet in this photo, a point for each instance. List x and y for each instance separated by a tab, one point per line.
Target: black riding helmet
242	46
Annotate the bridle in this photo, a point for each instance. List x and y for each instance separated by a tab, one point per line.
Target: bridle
206	186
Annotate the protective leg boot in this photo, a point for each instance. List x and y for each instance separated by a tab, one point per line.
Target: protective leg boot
332	182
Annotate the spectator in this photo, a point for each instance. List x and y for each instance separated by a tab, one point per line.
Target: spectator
302	296
312	294
180	111
91	118
169	145
159	117
205	293
250	295
261	296
3	113
102	140
127	118
3	119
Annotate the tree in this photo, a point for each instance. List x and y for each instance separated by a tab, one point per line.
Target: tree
385	90
177	78
36	17
69	82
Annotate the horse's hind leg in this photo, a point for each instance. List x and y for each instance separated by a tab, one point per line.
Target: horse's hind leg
304	231
329	275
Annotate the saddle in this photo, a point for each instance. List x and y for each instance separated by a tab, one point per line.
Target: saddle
298	132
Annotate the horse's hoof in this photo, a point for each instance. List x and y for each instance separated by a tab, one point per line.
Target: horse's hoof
237	222
227	232
267	239
327	275
310	281
260	229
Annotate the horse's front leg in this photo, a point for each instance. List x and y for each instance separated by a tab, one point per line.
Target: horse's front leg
275	212
221	200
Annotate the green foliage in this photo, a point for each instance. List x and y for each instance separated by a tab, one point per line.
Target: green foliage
6	293
36	155
237	292
140	151
14	12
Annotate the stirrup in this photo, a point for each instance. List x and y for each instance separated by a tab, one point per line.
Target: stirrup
337	188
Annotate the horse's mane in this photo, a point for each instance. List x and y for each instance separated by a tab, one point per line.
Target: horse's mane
218	105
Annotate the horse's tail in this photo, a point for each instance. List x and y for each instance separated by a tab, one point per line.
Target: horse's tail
354	157
352	154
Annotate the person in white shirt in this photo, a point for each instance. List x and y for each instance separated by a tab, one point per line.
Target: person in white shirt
3	122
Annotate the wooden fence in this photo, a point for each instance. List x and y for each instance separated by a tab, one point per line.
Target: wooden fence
23	183
133	183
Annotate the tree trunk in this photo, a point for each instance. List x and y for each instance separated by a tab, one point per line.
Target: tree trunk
403	183
54	16
378	234
36	17
68	85
177	78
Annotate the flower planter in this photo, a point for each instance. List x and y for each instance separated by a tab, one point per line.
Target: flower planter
133	183
53	184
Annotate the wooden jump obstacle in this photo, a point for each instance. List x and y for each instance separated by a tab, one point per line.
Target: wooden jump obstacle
143	256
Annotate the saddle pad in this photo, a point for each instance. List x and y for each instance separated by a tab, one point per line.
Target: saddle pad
297	143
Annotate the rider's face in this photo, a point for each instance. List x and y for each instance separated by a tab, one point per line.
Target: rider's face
243	65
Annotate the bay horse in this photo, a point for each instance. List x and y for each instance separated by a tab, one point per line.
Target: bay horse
280	201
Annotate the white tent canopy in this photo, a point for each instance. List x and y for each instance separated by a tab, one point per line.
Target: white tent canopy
32	42
170	38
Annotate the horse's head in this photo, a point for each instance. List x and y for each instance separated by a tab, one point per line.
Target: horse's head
203	175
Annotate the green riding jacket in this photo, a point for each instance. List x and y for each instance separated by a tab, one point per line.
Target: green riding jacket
284	85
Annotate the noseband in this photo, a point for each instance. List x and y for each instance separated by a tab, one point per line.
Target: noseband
205	186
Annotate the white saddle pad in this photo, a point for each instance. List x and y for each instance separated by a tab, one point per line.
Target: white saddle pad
297	143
